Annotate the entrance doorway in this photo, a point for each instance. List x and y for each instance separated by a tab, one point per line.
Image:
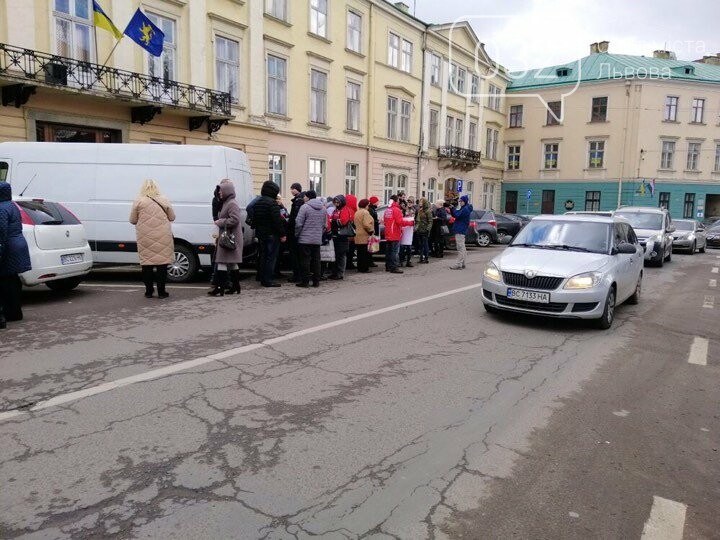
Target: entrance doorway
548	201
48	132
511	199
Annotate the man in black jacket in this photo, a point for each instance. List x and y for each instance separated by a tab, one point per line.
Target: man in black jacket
269	229
297	201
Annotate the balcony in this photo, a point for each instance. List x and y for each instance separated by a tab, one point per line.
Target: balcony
459	158
22	70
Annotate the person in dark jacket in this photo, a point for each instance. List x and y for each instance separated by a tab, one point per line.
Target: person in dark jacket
229	221
297	201
341	217
269	229
14	257
216	206
310	225
437	237
460	227
372	208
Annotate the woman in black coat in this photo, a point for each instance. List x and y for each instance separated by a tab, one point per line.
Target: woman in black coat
14	257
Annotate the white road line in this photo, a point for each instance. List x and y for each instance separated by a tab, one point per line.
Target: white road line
666	521
698	351
189	364
120	286
709	302
715	270
712	283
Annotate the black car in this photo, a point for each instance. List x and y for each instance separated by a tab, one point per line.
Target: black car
713	236
483	229
508	225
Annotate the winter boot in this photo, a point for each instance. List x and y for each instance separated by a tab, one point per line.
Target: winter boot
3	324
220	279
234	282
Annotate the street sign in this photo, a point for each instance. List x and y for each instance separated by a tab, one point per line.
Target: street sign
529	194
459	186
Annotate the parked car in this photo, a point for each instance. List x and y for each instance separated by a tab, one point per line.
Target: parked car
508	225
712	236
711	221
567	266
59	251
483	229
654	229
689	236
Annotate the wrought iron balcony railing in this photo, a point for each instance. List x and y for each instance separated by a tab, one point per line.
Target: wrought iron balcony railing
33	67
457	153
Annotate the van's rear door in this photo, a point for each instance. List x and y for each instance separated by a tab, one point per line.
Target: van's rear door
55	227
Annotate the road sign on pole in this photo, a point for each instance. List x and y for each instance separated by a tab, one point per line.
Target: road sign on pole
459	186
529	194
527	201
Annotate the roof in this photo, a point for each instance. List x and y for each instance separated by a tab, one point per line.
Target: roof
606	66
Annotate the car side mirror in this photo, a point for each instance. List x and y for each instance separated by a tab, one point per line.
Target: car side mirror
670	228
626	249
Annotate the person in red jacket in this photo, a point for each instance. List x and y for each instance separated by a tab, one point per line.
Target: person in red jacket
352	204
340	220
394	222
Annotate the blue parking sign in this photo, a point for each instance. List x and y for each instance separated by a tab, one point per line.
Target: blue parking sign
529	194
459	186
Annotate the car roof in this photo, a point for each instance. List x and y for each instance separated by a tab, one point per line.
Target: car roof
593	218
641	210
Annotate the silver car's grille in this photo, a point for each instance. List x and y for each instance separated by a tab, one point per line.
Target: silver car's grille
544	283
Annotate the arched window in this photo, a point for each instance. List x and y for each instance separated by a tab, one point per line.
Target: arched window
432	189
389	187
402	182
469	187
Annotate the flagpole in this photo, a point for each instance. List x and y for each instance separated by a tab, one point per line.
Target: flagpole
111	52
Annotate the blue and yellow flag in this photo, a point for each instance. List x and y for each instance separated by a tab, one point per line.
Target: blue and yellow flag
143	32
104	22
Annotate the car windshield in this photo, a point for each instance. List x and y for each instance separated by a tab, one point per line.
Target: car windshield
565	235
683	225
643	220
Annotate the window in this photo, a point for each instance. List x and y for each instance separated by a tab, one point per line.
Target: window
434	116
698	108
494	97
318	97
316	174
554	113
459	132
435	66
227	66
354	31
389	187
469	188
392	114
452	79
472	136
664	201
351	178
717	158
277	8
318	17
511	200
599	109
461	75
689	206
671	108
475	88
693	155
163	66
513	163
394	50
74	29
402	182
488	195
47	132
551	155
592	201
449	131
405	120
668	153
353	106
276	85
516	116
407	53
491	143
432	190
596	158
276	169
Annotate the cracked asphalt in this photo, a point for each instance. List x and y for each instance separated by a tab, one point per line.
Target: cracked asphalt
431	421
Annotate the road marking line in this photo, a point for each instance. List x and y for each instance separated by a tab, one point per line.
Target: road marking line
709	302
715	270
666	521
712	283
189	364
698	351
120	286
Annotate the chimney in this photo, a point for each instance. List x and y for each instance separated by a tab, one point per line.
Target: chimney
712	60
603	46
594	48
665	55
402	6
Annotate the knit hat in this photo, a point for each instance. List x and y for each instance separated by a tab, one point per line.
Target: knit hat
465	199
373	200
310	194
296	186
363	203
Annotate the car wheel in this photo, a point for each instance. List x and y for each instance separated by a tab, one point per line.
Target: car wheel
635	298
483	239
702	249
608	315
185	265
64	285
693	248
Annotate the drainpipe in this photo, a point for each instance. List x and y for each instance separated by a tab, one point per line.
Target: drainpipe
628	86
370	101
422	115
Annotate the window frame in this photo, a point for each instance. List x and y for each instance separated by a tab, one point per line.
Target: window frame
459	132
318	18
406	57
515	119
689	203
392	117
350	30
667	157
273	172
228	65
553	117
551	152
592	200
433	128
599	110
596	150
352	181
449	130
693	156
283	82
474	88
271	8
388	187
353	106
317	92
393	58
664	200
670	111
313	181
435	70
461	78
405	120
170	47
717	158
472	135
74	20
697	110
514	151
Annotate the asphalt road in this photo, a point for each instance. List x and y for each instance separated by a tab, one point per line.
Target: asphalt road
379	407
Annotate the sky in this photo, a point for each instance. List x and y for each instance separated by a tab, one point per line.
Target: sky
526	34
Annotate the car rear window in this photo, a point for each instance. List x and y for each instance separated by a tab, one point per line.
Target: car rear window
47	213
477	214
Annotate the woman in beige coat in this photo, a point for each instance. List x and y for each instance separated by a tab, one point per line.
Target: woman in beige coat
364	227
151	214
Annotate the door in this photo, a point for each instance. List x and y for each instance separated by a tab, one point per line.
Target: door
625	275
548	201
700	235
511	200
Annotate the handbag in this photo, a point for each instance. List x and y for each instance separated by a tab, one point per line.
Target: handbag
227	240
347	230
373	244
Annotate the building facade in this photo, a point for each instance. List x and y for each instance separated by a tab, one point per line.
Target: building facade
612	130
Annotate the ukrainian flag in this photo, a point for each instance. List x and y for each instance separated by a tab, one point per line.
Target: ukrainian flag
104	22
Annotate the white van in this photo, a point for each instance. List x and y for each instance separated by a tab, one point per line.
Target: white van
99	182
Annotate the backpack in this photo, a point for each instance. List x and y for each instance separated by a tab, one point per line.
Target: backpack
250	219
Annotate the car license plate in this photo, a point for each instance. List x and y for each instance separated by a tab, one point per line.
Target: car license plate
73	258
529	296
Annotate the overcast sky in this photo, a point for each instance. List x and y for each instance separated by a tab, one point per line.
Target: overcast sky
524	34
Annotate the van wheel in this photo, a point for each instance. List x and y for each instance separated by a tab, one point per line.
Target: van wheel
185	265
64	285
608	316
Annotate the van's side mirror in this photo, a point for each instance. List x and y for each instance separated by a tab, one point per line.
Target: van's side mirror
670	228
626	249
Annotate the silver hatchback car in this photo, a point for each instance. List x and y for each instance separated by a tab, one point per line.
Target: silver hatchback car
573	266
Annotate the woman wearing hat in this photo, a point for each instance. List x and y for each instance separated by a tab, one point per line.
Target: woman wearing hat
364	227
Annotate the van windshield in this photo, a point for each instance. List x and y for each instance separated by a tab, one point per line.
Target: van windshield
643	220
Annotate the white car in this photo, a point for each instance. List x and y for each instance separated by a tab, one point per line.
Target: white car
59	250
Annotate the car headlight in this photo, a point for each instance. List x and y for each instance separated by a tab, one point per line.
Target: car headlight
583	281
655	239
491	272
